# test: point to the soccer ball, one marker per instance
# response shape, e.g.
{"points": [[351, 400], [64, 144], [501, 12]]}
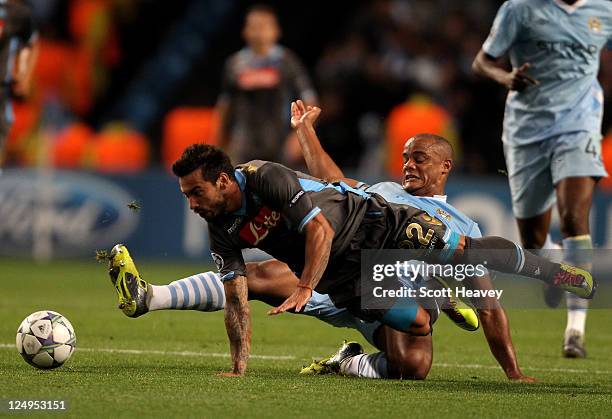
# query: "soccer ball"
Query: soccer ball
{"points": [[46, 339]]}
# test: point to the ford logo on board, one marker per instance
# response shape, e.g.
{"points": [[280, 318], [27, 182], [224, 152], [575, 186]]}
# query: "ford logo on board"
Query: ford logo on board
{"points": [[75, 213]]}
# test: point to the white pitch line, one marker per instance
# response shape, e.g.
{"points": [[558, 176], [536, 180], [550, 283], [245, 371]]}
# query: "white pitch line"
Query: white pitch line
{"points": [[495, 367], [168, 353], [290, 357]]}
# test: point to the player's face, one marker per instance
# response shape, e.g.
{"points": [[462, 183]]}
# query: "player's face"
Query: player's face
{"points": [[205, 198], [424, 168], [261, 29]]}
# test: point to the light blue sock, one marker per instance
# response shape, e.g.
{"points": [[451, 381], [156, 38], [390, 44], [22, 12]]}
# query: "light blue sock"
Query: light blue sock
{"points": [[203, 292]]}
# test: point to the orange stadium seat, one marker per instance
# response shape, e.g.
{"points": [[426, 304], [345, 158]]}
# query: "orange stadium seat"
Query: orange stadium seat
{"points": [[120, 150], [71, 146], [606, 153], [418, 115], [186, 126]]}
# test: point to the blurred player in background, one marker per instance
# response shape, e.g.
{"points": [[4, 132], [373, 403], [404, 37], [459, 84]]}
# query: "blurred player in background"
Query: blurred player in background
{"points": [[552, 123], [17, 57], [258, 84]]}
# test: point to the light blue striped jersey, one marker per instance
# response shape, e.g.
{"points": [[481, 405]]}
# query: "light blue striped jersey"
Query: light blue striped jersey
{"points": [[452, 218], [563, 44]]}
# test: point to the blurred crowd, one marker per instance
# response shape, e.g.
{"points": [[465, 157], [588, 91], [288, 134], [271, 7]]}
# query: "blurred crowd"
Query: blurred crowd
{"points": [[382, 70]]}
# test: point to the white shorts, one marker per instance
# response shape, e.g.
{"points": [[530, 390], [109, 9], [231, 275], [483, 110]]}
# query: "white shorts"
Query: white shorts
{"points": [[534, 169]]}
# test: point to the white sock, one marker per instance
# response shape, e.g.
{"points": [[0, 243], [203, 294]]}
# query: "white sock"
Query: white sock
{"points": [[576, 314], [576, 252], [203, 292], [366, 366]]}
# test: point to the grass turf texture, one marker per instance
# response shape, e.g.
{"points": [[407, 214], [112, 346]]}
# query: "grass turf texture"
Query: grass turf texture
{"points": [[464, 379]]}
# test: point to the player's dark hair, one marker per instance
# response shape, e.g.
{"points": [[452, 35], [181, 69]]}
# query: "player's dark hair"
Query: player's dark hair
{"points": [[263, 8], [211, 160]]}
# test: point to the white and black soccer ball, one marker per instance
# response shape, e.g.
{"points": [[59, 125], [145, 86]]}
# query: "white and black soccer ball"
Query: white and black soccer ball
{"points": [[46, 339]]}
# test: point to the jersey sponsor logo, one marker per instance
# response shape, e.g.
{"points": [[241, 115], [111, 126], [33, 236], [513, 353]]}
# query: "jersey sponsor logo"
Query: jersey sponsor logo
{"points": [[595, 24], [258, 78], [565, 47], [258, 228], [296, 198], [218, 260], [234, 225]]}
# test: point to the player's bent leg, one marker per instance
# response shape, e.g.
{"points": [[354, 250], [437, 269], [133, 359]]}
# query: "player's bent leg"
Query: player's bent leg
{"points": [[270, 281], [506, 256], [202, 291], [408, 356]]}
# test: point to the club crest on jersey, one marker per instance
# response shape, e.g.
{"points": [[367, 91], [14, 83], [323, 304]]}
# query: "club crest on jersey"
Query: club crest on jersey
{"points": [[443, 214], [259, 227], [595, 24], [218, 260]]}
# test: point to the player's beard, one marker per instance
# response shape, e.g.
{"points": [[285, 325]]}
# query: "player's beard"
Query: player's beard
{"points": [[217, 211]]}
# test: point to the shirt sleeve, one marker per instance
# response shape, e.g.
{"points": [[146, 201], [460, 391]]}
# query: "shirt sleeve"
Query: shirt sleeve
{"points": [[280, 188], [298, 77], [227, 257], [503, 32], [475, 232]]}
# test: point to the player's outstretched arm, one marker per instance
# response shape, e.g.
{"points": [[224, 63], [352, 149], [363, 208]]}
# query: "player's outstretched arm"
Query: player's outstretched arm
{"points": [[319, 237], [497, 332], [319, 163], [517, 79], [238, 323]]}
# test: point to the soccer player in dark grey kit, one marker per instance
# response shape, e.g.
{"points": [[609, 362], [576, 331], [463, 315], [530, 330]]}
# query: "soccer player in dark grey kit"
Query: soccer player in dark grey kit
{"points": [[17, 54], [258, 84], [552, 124]]}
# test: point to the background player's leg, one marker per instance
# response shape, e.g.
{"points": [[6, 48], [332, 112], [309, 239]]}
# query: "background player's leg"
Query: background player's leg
{"points": [[574, 199], [533, 230]]}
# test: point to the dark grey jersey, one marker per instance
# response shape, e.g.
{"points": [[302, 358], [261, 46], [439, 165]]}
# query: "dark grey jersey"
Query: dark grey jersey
{"points": [[277, 204], [258, 91]]}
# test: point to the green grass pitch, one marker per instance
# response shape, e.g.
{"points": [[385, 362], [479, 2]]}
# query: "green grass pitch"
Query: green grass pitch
{"points": [[164, 364]]}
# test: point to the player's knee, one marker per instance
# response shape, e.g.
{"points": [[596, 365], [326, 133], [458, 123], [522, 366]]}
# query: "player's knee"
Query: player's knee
{"points": [[409, 364], [421, 326]]}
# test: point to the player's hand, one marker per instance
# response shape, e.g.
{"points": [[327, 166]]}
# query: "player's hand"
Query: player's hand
{"points": [[302, 114], [296, 301], [230, 374], [523, 378], [519, 80]]}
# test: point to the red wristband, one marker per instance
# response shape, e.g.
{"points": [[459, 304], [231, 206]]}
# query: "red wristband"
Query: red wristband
{"points": [[304, 286]]}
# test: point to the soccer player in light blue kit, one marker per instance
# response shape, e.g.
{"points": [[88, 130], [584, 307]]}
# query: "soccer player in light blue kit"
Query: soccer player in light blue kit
{"points": [[552, 123]]}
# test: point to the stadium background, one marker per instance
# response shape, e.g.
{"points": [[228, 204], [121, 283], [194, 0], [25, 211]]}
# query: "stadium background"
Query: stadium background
{"points": [[120, 83]]}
